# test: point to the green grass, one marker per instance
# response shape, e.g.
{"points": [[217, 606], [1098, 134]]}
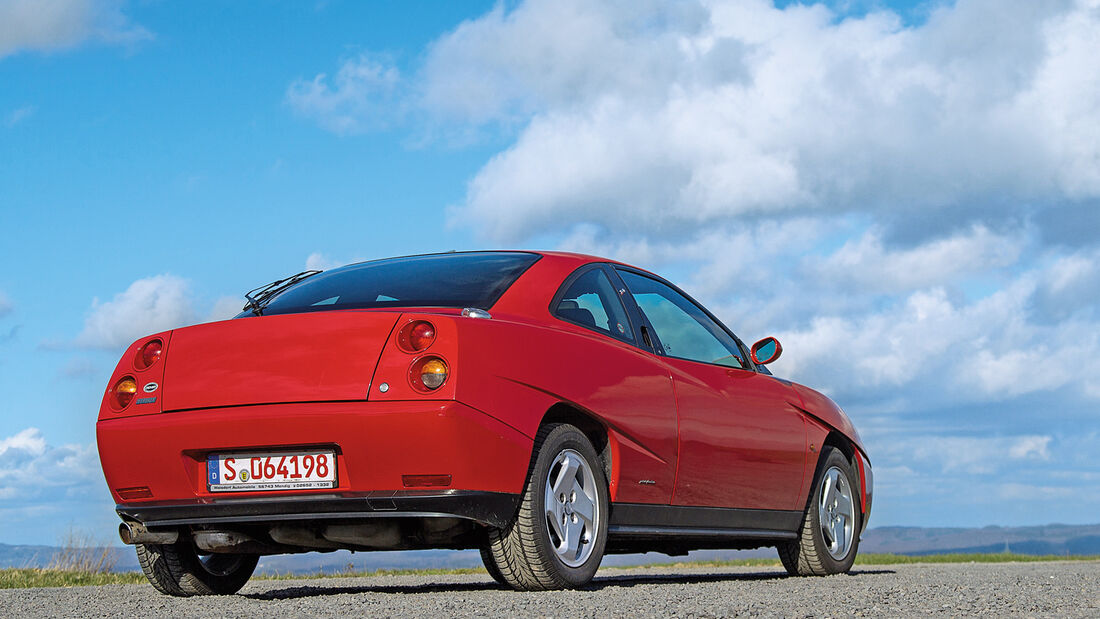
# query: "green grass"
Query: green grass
{"points": [[889, 559], [23, 578], [35, 577]]}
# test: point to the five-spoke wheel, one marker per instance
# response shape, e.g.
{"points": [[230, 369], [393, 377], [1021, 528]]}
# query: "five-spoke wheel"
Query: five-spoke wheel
{"points": [[829, 534], [558, 537]]}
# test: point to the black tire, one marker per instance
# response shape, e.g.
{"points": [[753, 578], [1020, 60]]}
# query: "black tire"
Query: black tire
{"points": [[491, 565], [525, 553], [177, 569], [814, 554]]}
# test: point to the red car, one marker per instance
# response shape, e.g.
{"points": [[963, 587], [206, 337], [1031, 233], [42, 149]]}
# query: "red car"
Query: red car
{"points": [[545, 408]]}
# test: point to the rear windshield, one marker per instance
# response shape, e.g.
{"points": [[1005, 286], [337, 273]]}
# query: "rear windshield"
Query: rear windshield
{"points": [[474, 279]]}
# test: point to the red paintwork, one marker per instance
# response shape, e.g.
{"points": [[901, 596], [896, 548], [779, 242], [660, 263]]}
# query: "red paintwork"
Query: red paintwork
{"points": [[290, 358], [775, 355], [824, 409], [741, 444], [375, 446], [695, 434]]}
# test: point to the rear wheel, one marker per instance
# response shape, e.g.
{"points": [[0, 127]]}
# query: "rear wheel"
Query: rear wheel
{"points": [[830, 527], [558, 538], [178, 569], [491, 565]]}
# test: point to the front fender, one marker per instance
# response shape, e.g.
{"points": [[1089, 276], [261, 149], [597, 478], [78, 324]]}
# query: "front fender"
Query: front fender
{"points": [[820, 407]]}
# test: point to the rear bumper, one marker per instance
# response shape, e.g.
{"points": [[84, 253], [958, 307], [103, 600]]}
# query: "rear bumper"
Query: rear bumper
{"points": [[491, 508], [376, 444]]}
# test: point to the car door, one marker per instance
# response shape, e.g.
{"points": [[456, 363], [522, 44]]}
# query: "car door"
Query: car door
{"points": [[741, 443], [617, 376]]}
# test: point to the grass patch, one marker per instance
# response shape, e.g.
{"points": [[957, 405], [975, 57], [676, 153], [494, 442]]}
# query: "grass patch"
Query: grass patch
{"points": [[24, 578], [19, 578], [1000, 557], [889, 559]]}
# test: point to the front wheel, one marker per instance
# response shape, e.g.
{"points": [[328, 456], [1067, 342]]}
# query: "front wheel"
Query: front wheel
{"points": [[830, 527], [178, 569], [558, 537]]}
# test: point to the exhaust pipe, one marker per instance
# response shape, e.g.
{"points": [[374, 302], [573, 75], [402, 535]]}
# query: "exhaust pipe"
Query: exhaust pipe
{"points": [[136, 533]]}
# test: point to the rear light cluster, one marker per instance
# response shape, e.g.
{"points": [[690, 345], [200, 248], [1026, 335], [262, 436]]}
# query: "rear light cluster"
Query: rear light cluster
{"points": [[124, 390], [149, 354], [428, 372]]}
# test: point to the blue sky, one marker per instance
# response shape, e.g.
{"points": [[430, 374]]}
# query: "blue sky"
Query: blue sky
{"points": [[906, 193]]}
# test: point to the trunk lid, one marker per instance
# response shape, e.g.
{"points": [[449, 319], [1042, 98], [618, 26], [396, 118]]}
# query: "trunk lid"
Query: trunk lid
{"points": [[308, 357]]}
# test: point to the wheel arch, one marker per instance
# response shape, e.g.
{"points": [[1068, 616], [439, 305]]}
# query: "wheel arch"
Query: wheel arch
{"points": [[594, 430], [857, 461]]}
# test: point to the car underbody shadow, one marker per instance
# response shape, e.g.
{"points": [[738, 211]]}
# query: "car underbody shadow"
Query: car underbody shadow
{"points": [[597, 584]]}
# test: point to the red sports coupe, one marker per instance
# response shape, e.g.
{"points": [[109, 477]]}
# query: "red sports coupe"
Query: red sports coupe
{"points": [[545, 408]]}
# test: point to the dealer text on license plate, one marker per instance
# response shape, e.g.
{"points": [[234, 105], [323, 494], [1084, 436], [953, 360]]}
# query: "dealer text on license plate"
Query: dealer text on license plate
{"points": [[271, 471]]}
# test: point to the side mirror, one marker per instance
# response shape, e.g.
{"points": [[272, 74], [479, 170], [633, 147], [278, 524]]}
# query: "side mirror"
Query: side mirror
{"points": [[766, 350]]}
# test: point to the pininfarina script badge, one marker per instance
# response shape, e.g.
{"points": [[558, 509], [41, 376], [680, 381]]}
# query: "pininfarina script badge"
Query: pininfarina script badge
{"points": [[150, 387]]}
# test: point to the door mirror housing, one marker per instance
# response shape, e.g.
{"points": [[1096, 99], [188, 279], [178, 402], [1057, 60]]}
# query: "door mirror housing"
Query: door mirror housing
{"points": [[766, 350]]}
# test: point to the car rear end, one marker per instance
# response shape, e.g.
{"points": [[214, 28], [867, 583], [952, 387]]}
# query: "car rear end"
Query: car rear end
{"points": [[306, 430]]}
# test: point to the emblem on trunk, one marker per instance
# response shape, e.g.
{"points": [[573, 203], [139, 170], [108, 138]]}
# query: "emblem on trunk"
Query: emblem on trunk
{"points": [[150, 387]]}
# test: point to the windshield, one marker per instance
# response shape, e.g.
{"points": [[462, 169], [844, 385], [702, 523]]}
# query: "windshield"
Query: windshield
{"points": [[473, 279]]}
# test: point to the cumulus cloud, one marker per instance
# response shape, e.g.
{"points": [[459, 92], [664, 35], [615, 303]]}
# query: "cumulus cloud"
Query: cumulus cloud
{"points": [[30, 467], [867, 264], [58, 24], [699, 112], [980, 455], [361, 96], [147, 306], [225, 308], [986, 349]]}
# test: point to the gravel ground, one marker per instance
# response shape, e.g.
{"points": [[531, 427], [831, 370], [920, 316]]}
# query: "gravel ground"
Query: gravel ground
{"points": [[1061, 589]]}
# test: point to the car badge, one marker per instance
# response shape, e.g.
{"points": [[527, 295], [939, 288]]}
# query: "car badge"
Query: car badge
{"points": [[150, 387]]}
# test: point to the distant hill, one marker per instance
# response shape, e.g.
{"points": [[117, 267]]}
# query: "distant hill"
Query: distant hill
{"points": [[1051, 539]]}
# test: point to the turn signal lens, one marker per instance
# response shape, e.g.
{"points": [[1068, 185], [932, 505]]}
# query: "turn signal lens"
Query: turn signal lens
{"points": [[149, 354], [416, 336], [428, 373], [124, 392]]}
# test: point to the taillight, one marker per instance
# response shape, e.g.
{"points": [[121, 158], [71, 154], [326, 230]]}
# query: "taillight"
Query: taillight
{"points": [[428, 373], [416, 336], [123, 392], [149, 354]]}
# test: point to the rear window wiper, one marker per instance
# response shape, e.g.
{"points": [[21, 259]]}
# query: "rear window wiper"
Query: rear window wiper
{"points": [[258, 298]]}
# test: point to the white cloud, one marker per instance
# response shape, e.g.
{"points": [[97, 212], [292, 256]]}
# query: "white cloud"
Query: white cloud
{"points": [[28, 441], [30, 467], [225, 308], [57, 24], [44, 486], [147, 306], [735, 109], [966, 455], [19, 114], [319, 262], [867, 265], [361, 96]]}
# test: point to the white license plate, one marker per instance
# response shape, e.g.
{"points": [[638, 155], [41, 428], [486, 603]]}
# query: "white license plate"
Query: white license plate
{"points": [[298, 470]]}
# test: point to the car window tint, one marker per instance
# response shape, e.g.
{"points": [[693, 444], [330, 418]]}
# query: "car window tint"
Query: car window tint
{"points": [[685, 330], [473, 279], [591, 301]]}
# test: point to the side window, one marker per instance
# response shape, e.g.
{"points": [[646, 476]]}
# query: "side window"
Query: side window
{"points": [[685, 330], [591, 301]]}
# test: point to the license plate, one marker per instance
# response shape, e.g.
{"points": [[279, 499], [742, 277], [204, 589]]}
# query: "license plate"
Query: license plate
{"points": [[245, 472]]}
